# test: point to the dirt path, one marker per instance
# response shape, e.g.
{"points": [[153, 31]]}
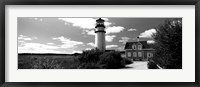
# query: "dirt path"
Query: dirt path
{"points": [[137, 65]]}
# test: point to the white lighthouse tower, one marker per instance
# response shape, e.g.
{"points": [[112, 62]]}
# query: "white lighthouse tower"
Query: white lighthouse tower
{"points": [[100, 34]]}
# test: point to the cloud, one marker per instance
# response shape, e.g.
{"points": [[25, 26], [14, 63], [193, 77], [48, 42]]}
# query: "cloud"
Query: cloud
{"points": [[109, 38], [91, 32], [124, 39], [25, 38], [121, 48], [40, 45], [67, 42], [88, 23], [37, 48], [43, 48], [150, 41], [27, 47], [50, 43], [76, 52], [147, 33], [85, 23], [132, 29], [91, 44], [109, 30], [21, 41], [88, 48], [111, 46], [114, 29]]}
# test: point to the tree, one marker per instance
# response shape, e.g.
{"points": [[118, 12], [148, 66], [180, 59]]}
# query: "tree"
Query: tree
{"points": [[168, 44]]}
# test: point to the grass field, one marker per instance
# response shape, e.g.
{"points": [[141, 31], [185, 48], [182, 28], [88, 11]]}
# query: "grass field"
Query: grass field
{"points": [[46, 61], [93, 59]]}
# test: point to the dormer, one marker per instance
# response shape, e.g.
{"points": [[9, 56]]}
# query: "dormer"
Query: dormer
{"points": [[139, 46], [134, 47]]}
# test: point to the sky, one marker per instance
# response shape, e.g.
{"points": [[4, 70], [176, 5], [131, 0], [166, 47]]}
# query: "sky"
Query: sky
{"points": [[73, 35]]}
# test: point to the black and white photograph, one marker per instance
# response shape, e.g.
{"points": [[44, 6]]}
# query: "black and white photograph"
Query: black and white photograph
{"points": [[99, 43]]}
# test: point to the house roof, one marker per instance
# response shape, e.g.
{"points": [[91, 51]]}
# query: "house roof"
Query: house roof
{"points": [[144, 45]]}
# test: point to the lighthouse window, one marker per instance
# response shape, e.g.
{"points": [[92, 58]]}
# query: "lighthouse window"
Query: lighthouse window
{"points": [[100, 23]]}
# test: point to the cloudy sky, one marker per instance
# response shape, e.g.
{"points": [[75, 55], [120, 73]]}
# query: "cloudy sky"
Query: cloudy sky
{"points": [[72, 35]]}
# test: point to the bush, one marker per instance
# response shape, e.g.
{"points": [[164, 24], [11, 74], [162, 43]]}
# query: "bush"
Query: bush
{"points": [[90, 59], [90, 66], [111, 60], [89, 56], [152, 65], [70, 63], [46, 63], [25, 62], [96, 59], [168, 44], [24, 65], [128, 61]]}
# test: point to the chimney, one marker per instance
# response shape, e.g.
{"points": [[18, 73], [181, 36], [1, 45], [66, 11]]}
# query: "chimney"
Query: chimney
{"points": [[138, 38]]}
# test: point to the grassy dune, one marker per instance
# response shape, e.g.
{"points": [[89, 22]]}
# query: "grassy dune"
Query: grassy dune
{"points": [[92, 59], [36, 61]]}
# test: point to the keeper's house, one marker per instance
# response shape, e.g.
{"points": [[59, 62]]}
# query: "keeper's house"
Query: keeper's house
{"points": [[138, 50]]}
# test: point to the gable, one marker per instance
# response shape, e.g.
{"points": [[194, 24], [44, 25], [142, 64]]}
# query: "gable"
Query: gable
{"points": [[128, 45]]}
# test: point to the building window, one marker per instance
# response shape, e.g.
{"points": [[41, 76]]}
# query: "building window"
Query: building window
{"points": [[139, 54], [139, 47], [134, 47], [134, 54], [129, 54], [149, 54]]}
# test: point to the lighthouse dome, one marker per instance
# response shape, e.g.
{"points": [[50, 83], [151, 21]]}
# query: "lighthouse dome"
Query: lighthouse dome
{"points": [[99, 20], [100, 23]]}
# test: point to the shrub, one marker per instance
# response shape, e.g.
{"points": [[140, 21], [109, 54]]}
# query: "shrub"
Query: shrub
{"points": [[96, 59], [46, 63], [69, 63], [168, 44], [24, 62], [89, 59], [152, 65], [24, 65], [89, 56], [128, 61], [111, 60], [90, 66]]}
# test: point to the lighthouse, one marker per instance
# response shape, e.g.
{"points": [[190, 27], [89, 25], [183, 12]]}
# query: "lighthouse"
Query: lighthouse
{"points": [[100, 34]]}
